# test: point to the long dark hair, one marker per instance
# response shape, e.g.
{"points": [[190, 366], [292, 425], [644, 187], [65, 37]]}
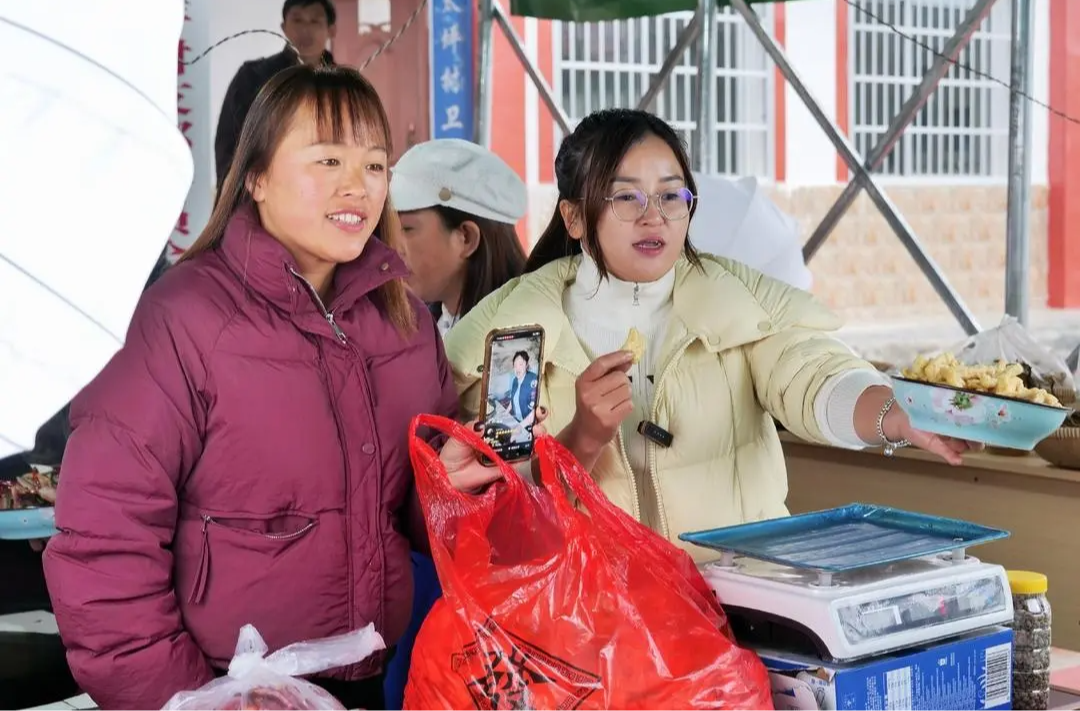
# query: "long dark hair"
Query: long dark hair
{"points": [[498, 257], [585, 167], [341, 100]]}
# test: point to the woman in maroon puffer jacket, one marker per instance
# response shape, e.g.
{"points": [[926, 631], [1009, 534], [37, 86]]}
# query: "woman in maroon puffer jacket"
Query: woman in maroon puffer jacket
{"points": [[244, 457]]}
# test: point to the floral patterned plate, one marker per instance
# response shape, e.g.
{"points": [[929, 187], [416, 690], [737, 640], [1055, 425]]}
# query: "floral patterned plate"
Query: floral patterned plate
{"points": [[977, 417]]}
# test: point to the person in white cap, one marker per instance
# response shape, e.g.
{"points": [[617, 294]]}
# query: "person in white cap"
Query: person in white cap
{"points": [[458, 203]]}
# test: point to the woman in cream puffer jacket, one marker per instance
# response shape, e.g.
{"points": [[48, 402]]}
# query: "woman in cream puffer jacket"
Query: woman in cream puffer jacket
{"points": [[728, 349]]}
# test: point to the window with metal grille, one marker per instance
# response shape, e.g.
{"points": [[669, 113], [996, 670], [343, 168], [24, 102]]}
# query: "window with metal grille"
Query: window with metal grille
{"points": [[962, 131], [601, 65]]}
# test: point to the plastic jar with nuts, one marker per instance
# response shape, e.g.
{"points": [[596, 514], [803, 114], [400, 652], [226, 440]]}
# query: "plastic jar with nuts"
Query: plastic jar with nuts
{"points": [[1031, 640]]}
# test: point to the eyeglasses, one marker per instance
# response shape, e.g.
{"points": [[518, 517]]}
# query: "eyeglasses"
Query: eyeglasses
{"points": [[630, 204]]}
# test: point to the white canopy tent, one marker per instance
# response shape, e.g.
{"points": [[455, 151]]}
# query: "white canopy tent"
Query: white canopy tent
{"points": [[737, 220], [93, 175]]}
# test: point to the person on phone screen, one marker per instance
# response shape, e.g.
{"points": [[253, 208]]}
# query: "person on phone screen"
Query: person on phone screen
{"points": [[244, 458], [459, 204], [727, 349], [522, 391]]}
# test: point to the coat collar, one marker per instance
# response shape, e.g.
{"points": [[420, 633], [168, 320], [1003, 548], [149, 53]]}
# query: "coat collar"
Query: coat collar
{"points": [[266, 267], [288, 57], [724, 305]]}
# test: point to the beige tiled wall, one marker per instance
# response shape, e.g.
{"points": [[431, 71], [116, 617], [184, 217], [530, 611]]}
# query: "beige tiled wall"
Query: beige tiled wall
{"points": [[864, 272]]}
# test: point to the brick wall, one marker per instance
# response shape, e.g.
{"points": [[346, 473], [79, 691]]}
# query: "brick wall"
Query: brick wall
{"points": [[865, 273]]}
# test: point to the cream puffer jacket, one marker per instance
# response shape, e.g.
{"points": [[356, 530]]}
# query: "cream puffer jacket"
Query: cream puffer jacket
{"points": [[740, 349]]}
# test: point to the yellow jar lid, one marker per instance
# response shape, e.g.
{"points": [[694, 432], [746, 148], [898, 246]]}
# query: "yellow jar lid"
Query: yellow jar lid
{"points": [[1024, 582]]}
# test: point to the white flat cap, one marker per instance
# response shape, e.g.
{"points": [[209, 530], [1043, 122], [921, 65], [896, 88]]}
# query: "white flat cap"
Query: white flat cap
{"points": [[460, 175]]}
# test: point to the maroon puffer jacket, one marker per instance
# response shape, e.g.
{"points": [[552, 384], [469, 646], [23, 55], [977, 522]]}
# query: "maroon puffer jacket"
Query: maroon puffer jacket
{"points": [[243, 459]]}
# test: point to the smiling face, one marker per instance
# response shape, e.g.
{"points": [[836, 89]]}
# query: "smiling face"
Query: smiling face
{"points": [[320, 198], [643, 245]]}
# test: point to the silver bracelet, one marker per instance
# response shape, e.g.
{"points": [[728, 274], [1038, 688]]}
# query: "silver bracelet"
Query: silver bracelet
{"points": [[890, 447]]}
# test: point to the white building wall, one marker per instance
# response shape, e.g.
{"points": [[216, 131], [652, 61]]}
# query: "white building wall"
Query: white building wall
{"points": [[1040, 89], [811, 46]]}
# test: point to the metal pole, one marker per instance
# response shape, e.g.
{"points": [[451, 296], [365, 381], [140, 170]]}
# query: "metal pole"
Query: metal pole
{"points": [[542, 87], [660, 79], [482, 110], [1017, 252], [706, 79], [942, 63], [843, 146]]}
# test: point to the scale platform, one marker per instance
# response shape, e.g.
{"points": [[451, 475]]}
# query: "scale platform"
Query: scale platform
{"points": [[856, 581]]}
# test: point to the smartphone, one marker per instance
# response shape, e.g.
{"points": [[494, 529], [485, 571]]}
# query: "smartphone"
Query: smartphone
{"points": [[510, 391]]}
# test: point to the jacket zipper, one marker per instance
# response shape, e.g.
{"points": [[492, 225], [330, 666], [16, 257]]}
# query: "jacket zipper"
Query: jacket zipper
{"points": [[635, 500], [202, 575], [211, 521], [327, 314], [650, 446], [340, 335]]}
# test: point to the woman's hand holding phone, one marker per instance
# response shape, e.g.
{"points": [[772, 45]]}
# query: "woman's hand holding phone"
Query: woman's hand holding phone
{"points": [[467, 474], [603, 402]]}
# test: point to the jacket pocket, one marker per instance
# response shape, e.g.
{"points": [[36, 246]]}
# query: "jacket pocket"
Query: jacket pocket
{"points": [[271, 534], [286, 572]]}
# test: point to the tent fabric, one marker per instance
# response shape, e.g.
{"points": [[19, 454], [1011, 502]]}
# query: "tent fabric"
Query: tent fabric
{"points": [[736, 219], [599, 10], [75, 254]]}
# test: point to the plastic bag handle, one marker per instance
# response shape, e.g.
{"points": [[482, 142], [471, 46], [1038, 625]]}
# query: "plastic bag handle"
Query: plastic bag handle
{"points": [[558, 464], [454, 430], [303, 658], [590, 496]]}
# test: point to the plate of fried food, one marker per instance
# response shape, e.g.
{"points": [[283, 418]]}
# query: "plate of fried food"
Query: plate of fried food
{"points": [[26, 505], [996, 404]]}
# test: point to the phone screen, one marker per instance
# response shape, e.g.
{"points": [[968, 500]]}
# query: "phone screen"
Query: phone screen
{"points": [[513, 371]]}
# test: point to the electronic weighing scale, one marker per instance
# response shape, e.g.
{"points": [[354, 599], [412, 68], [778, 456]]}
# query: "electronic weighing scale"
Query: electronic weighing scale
{"points": [[854, 582]]}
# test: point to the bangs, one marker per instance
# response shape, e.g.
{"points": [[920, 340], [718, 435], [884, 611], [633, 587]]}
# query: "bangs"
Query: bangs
{"points": [[347, 111]]}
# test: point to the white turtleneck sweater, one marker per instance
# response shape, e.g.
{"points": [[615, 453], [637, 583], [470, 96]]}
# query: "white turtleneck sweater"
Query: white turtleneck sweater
{"points": [[446, 320], [601, 313]]}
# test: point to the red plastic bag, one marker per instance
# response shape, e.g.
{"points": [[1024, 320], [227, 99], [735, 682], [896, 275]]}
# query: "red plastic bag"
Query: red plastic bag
{"points": [[548, 606]]}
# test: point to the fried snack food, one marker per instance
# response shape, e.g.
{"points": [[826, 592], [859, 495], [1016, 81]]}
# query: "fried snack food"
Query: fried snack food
{"points": [[29, 491], [1001, 378], [635, 343]]}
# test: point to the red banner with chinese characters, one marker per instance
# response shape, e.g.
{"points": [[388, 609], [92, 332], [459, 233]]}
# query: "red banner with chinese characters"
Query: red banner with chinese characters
{"points": [[193, 116]]}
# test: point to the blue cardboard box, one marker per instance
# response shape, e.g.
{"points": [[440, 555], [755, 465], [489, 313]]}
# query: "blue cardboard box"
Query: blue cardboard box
{"points": [[962, 674]]}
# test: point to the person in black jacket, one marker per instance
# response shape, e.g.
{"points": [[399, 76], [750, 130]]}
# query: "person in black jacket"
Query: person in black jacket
{"points": [[308, 25]]}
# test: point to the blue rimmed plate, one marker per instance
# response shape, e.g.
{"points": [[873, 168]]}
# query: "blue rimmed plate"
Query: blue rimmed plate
{"points": [[846, 538], [25, 524]]}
